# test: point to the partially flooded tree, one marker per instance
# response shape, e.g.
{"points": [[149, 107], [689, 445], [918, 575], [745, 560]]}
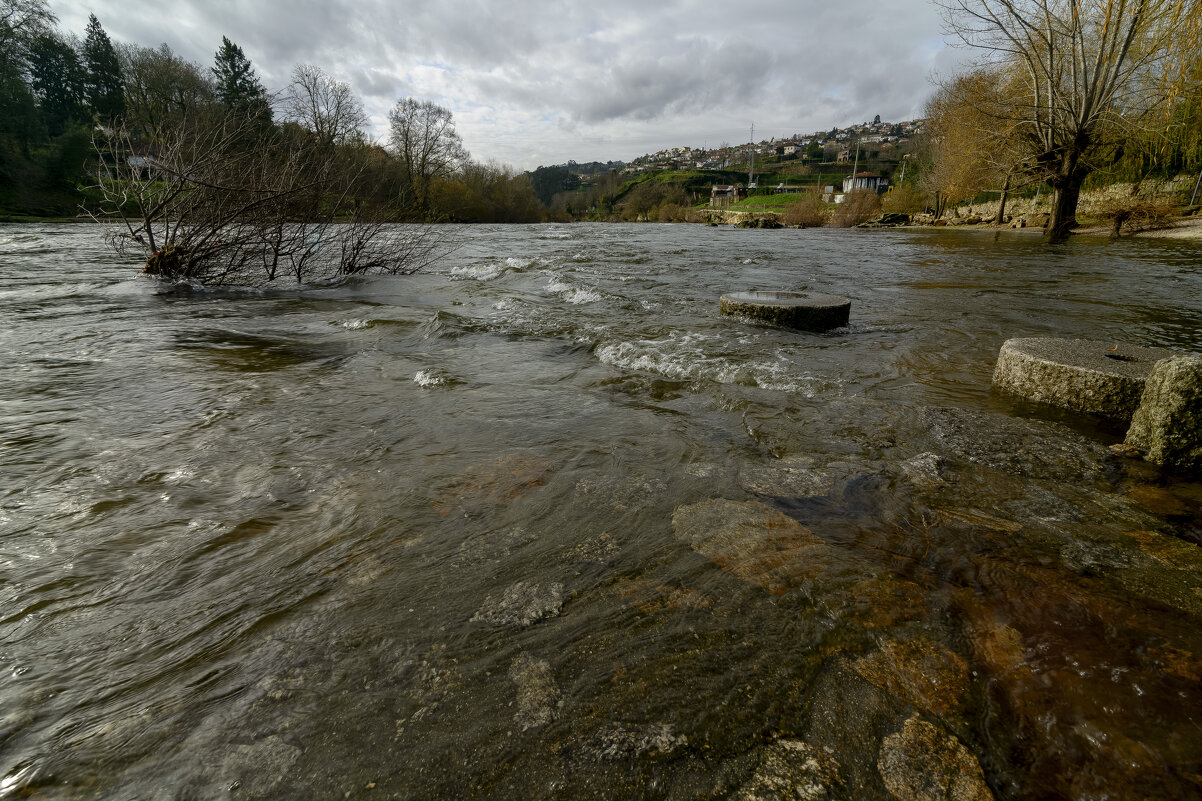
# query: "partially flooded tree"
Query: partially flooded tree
{"points": [[1087, 68], [207, 200]]}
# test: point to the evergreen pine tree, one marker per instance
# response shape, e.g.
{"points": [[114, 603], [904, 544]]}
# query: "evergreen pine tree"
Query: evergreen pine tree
{"points": [[57, 79], [102, 73], [237, 85]]}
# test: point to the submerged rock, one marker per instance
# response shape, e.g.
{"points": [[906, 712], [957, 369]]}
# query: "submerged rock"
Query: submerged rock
{"points": [[790, 477], [493, 484], [791, 770], [522, 604], [259, 769], [1167, 426], [924, 470], [921, 672], [618, 741], [538, 696], [650, 597], [922, 763], [1027, 448], [751, 541]]}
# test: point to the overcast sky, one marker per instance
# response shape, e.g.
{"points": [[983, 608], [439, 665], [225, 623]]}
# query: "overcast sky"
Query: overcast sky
{"points": [[533, 83]]}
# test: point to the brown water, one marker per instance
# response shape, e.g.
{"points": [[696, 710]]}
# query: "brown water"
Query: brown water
{"points": [[540, 523]]}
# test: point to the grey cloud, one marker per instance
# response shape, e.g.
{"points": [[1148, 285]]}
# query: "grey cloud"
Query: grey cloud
{"points": [[543, 77]]}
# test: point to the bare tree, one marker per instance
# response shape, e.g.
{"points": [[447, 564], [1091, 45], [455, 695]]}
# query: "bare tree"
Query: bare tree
{"points": [[1091, 71], [207, 200], [424, 141], [324, 106]]}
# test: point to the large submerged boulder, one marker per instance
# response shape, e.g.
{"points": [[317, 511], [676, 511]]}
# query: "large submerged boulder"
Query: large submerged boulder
{"points": [[1167, 426], [1095, 377]]}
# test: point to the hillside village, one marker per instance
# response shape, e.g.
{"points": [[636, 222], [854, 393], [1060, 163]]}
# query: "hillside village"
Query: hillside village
{"points": [[768, 174], [835, 146]]}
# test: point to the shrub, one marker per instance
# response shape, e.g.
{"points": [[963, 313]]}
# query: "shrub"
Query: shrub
{"points": [[809, 212], [857, 207], [675, 212], [904, 200], [1136, 214]]}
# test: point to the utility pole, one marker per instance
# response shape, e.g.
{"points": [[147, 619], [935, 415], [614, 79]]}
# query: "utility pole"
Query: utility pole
{"points": [[751, 160], [855, 166]]}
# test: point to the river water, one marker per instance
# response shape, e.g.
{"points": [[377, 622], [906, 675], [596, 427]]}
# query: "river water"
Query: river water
{"points": [[540, 523]]}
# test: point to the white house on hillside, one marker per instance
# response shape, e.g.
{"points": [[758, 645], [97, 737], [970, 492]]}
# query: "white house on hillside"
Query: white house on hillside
{"points": [[865, 180]]}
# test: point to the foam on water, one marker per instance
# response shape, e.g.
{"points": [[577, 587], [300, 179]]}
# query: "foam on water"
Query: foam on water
{"points": [[570, 292], [492, 270], [429, 378], [685, 358]]}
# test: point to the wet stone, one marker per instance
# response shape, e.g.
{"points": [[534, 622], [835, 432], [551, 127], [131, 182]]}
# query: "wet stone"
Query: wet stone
{"points": [[1095, 377], [1177, 554], [921, 672], [538, 696], [617, 742], [522, 604], [1027, 448], [751, 541], [924, 470], [848, 716], [789, 478], [922, 763], [791, 770], [1167, 426], [808, 311]]}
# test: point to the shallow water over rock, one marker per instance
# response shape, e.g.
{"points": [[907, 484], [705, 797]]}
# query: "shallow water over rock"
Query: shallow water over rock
{"points": [[542, 523]]}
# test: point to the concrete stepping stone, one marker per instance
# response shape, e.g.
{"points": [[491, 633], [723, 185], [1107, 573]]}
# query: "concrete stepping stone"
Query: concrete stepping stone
{"points": [[1093, 376], [808, 311]]}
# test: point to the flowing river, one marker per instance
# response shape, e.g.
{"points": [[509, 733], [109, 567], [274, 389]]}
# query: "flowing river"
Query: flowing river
{"points": [[540, 523]]}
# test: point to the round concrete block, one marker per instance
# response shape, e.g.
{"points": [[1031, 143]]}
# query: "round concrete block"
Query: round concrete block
{"points": [[809, 311], [1096, 377], [1167, 426]]}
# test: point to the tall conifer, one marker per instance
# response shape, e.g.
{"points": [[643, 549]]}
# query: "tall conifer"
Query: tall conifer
{"points": [[102, 73], [237, 85]]}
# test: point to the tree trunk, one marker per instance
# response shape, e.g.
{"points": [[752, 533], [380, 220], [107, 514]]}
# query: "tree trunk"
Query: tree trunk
{"points": [[1066, 190], [1001, 206], [1063, 217]]}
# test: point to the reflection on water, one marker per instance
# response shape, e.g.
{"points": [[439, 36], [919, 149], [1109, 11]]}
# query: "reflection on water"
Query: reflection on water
{"points": [[541, 523]]}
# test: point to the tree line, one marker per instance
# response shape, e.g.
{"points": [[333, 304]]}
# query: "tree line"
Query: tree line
{"points": [[61, 94]]}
